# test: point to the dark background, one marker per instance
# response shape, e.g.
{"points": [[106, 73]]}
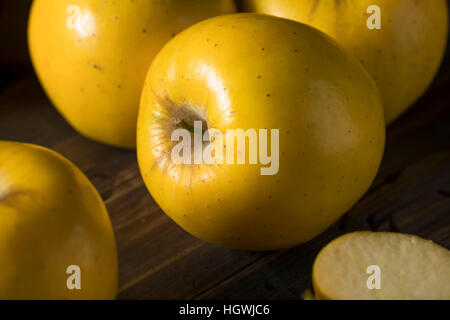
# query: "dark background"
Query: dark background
{"points": [[158, 260]]}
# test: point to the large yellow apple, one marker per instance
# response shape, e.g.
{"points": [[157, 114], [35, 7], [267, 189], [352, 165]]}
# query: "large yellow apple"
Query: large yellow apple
{"points": [[55, 232], [251, 71], [402, 57], [382, 265], [91, 56]]}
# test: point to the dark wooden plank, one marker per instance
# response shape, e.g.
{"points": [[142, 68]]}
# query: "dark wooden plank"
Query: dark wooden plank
{"points": [[288, 269], [27, 116]]}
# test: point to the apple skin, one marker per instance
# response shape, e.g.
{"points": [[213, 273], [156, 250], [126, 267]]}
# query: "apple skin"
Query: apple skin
{"points": [[411, 268], [51, 217], [259, 71], [403, 56], [93, 72]]}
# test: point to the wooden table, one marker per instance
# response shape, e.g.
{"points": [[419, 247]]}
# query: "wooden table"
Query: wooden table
{"points": [[158, 260]]}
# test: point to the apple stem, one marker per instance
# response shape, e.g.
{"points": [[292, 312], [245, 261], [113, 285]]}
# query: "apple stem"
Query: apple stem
{"points": [[184, 125]]}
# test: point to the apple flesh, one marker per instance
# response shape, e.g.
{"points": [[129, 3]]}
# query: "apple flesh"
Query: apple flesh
{"points": [[402, 56], [409, 268], [52, 218], [91, 56], [251, 71]]}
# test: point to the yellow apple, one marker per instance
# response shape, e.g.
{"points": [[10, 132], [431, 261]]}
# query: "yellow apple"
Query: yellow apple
{"points": [[382, 265], [55, 232], [91, 56], [402, 57], [251, 71]]}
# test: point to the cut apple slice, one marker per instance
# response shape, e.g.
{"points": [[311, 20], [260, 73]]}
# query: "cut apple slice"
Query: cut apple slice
{"points": [[382, 265]]}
